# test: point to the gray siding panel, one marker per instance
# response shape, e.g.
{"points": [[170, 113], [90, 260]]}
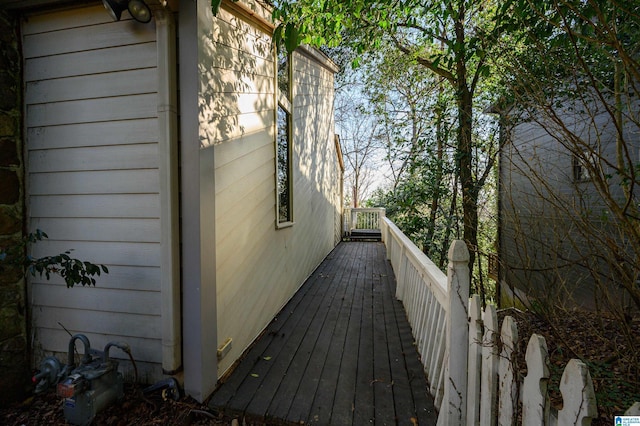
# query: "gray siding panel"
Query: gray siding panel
{"points": [[554, 228]]}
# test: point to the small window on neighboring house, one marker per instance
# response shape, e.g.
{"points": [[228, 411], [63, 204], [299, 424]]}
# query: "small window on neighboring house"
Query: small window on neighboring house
{"points": [[283, 139], [580, 170]]}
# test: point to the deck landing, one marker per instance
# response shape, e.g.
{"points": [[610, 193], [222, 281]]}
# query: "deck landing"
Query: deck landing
{"points": [[340, 352]]}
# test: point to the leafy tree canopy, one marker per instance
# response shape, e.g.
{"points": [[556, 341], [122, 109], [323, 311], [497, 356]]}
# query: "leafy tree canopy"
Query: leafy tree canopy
{"points": [[434, 33]]}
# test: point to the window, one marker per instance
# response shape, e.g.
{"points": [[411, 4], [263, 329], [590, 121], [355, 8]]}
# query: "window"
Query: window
{"points": [[284, 166], [580, 170], [284, 73], [283, 140]]}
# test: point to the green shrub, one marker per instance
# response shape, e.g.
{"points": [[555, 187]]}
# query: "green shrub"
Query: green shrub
{"points": [[74, 271]]}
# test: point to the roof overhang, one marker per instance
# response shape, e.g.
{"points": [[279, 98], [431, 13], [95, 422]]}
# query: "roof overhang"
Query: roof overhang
{"points": [[29, 5]]}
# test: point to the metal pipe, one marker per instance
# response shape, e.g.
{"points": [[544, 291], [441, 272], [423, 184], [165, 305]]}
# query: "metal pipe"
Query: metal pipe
{"points": [[122, 346], [168, 168], [87, 346]]}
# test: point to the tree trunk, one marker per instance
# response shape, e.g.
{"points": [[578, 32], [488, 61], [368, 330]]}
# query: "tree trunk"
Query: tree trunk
{"points": [[467, 183], [465, 146], [447, 232], [435, 201]]}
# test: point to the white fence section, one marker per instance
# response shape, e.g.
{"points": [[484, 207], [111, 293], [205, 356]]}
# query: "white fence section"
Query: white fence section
{"points": [[497, 396], [468, 359], [363, 218]]}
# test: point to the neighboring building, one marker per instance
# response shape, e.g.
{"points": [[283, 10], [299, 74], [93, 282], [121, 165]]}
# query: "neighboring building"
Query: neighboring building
{"points": [[564, 235], [169, 152]]}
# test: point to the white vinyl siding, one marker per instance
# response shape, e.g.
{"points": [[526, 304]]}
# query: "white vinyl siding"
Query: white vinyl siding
{"points": [[245, 182], [259, 267], [316, 177], [93, 180]]}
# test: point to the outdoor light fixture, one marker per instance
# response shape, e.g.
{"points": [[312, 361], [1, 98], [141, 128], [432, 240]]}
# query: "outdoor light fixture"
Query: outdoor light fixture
{"points": [[137, 8]]}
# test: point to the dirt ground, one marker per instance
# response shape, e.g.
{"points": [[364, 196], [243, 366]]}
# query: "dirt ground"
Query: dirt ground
{"points": [[609, 349], [135, 409]]}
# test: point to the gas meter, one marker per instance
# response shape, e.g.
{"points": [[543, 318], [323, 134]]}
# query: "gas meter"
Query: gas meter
{"points": [[88, 388]]}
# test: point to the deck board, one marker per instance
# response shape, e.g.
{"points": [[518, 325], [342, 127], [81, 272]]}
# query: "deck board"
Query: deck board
{"points": [[340, 352], [343, 407], [363, 407]]}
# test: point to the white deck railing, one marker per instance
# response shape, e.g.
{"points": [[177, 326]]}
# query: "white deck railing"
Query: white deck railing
{"points": [[363, 218], [438, 321], [472, 382]]}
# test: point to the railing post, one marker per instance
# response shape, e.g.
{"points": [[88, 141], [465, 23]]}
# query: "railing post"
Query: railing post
{"points": [[402, 273], [454, 407], [381, 214], [346, 217]]}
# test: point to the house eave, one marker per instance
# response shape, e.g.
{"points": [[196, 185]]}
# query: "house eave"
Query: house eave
{"points": [[319, 57], [260, 17], [26, 5], [31, 5]]}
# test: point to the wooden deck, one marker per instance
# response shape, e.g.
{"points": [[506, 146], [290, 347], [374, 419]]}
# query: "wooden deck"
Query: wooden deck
{"points": [[340, 352]]}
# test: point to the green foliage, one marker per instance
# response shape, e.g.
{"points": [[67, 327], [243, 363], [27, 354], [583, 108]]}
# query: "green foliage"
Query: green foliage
{"points": [[570, 46], [416, 117], [409, 207], [425, 30], [612, 393], [450, 40], [73, 271], [215, 6]]}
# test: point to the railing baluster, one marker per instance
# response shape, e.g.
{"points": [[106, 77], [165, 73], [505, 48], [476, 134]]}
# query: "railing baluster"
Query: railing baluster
{"points": [[426, 332], [434, 320], [439, 344], [438, 394], [507, 385], [475, 361], [423, 303], [425, 293], [489, 377]]}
